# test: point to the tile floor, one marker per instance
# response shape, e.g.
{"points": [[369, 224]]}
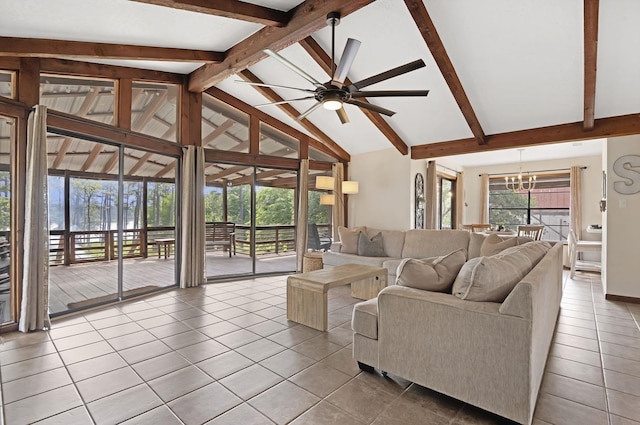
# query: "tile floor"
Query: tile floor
{"points": [[225, 354]]}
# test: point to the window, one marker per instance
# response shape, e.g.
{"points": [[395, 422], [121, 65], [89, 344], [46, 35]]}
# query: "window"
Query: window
{"points": [[87, 98], [154, 110], [446, 204], [6, 84], [224, 127], [547, 204]]}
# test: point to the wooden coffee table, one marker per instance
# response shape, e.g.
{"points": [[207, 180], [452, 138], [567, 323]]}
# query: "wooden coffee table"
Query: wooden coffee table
{"points": [[307, 292]]}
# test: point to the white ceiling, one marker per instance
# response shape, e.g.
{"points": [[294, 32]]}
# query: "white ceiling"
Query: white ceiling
{"points": [[520, 63]]}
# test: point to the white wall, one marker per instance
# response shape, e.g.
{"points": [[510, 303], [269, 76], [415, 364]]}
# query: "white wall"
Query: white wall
{"points": [[622, 230], [386, 190], [591, 185]]}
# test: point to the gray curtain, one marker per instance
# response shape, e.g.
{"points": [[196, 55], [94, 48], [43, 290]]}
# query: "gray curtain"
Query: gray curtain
{"points": [[303, 208], [484, 198], [431, 189], [192, 217], [575, 206], [34, 312], [338, 205]]}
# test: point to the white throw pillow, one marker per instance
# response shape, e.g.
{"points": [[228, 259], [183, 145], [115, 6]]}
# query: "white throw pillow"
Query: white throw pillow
{"points": [[434, 274]]}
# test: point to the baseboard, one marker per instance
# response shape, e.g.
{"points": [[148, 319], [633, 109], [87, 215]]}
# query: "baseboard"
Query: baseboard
{"points": [[632, 300]]}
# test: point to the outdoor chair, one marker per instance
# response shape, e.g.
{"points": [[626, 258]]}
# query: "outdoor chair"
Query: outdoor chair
{"points": [[221, 234], [314, 241]]}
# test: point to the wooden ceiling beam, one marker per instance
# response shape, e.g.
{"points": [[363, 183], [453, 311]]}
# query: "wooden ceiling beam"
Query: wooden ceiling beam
{"points": [[287, 108], [434, 43], [228, 9], [47, 48], [99, 70], [623, 125], [306, 18], [590, 60], [248, 179], [322, 58], [227, 172]]}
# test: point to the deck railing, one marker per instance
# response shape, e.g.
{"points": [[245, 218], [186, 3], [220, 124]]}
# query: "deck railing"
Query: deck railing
{"points": [[102, 245]]}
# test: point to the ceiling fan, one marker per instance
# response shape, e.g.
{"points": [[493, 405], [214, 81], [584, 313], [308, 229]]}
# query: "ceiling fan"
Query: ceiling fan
{"points": [[333, 94]]}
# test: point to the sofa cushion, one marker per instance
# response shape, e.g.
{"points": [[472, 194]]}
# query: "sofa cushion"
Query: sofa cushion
{"points": [[365, 318], [349, 239], [494, 244], [492, 278], [370, 246], [431, 274], [392, 241], [475, 244], [333, 259], [433, 243]]}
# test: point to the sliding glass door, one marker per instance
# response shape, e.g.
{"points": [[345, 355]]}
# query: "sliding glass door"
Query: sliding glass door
{"points": [[103, 246], [7, 140], [250, 220]]}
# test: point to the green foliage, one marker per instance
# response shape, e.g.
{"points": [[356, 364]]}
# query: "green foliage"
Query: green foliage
{"points": [[507, 208], [317, 213], [239, 204], [161, 201], [274, 206]]}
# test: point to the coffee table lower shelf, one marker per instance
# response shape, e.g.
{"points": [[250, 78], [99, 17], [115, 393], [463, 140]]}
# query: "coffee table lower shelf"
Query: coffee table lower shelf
{"points": [[307, 292]]}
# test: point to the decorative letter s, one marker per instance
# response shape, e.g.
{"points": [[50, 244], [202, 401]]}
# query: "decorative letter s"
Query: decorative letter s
{"points": [[624, 167]]}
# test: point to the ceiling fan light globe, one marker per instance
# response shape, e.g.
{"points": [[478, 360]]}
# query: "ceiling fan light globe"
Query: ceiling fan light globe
{"points": [[332, 105]]}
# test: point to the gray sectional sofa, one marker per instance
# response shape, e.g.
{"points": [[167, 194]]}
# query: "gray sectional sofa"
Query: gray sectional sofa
{"points": [[407, 244], [489, 354]]}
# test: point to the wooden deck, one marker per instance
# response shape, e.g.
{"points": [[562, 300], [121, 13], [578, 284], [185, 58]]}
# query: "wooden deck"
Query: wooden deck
{"points": [[81, 285]]}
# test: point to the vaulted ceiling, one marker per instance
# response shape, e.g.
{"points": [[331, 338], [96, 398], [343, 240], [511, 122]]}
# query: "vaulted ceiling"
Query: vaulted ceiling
{"points": [[500, 73]]}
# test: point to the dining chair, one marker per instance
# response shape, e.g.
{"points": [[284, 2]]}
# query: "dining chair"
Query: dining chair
{"points": [[467, 227], [577, 246], [480, 227], [531, 231]]}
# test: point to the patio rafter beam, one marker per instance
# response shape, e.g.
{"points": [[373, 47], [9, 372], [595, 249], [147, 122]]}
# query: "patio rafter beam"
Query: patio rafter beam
{"points": [[321, 57], [226, 172], [306, 18], [219, 131], [169, 167], [82, 111], [270, 94], [430, 35], [92, 156], [228, 9], [249, 178], [48, 48]]}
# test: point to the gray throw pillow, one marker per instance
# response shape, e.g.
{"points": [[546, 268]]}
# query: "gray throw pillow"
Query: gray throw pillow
{"points": [[431, 274], [370, 246]]}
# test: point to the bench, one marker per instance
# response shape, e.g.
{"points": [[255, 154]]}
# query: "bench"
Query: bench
{"points": [[221, 234]]}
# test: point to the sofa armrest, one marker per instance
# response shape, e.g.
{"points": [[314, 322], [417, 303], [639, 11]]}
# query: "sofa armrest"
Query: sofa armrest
{"points": [[335, 246], [465, 349]]}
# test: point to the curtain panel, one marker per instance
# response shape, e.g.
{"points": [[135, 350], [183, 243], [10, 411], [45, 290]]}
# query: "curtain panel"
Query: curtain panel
{"points": [[484, 198], [303, 209], [575, 205], [192, 226], [338, 205], [431, 188], [34, 311], [459, 200]]}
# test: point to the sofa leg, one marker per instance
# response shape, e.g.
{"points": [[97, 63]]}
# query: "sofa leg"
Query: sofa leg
{"points": [[366, 368]]}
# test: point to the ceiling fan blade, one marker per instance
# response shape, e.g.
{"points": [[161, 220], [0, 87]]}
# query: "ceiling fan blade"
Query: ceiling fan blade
{"points": [[285, 101], [342, 114], [372, 107], [349, 54], [389, 93], [403, 69], [274, 86], [293, 67], [308, 111]]}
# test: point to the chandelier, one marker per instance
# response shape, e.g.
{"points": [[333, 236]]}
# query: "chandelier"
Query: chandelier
{"points": [[516, 184]]}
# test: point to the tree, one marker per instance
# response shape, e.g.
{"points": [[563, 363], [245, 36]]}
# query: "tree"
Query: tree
{"points": [[274, 206], [508, 208], [318, 214], [85, 192]]}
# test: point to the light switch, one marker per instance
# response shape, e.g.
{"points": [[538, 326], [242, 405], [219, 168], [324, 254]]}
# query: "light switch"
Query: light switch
{"points": [[622, 203]]}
